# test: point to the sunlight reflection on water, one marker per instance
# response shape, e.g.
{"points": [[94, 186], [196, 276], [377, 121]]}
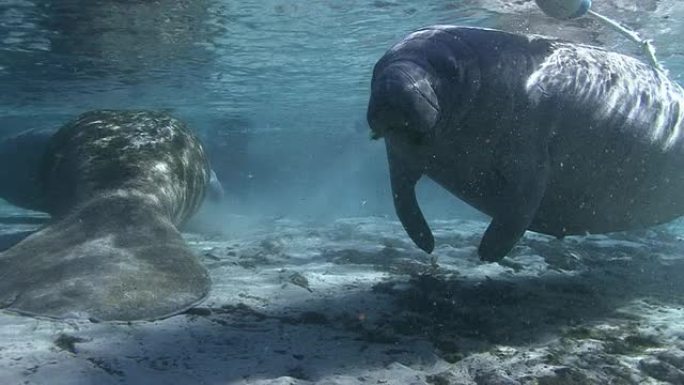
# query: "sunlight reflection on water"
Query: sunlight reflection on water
{"points": [[279, 61]]}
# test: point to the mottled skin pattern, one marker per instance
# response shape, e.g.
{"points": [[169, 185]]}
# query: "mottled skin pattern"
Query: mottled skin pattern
{"points": [[152, 155], [117, 183], [537, 133], [21, 158]]}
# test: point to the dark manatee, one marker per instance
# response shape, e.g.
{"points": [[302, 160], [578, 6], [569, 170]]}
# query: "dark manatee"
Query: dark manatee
{"points": [[117, 185], [539, 134]]}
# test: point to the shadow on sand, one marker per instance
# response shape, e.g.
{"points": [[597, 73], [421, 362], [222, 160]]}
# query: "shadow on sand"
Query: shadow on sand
{"points": [[408, 318]]}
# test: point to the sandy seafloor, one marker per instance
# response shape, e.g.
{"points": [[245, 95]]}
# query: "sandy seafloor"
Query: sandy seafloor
{"points": [[352, 301]]}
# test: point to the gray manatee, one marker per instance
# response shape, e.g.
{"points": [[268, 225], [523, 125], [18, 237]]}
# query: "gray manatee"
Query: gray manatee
{"points": [[117, 184], [540, 134], [21, 158]]}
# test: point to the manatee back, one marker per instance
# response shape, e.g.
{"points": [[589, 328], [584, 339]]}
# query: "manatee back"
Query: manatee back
{"points": [[116, 183], [126, 152]]}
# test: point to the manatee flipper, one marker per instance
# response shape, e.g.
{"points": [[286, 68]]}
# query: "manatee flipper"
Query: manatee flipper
{"points": [[106, 267], [403, 176], [524, 184]]}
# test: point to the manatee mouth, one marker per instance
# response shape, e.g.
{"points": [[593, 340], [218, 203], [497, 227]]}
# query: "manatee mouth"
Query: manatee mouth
{"points": [[402, 99]]}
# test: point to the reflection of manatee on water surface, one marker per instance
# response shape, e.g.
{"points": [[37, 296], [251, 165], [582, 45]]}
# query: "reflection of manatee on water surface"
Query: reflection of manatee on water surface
{"points": [[538, 133], [117, 185]]}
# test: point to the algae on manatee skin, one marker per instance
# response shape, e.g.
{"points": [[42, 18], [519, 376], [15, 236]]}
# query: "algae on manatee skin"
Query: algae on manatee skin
{"points": [[579, 333], [68, 342], [566, 376], [299, 280], [622, 340], [664, 367], [452, 357], [633, 344], [443, 378], [507, 262]]}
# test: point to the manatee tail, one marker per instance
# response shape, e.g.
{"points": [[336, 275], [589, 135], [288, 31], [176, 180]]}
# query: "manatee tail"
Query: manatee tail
{"points": [[112, 259], [404, 176]]}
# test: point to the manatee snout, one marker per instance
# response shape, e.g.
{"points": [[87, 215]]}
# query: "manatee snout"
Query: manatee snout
{"points": [[402, 99]]}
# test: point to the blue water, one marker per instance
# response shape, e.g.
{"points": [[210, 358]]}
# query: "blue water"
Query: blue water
{"points": [[288, 79], [286, 83], [282, 63]]}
